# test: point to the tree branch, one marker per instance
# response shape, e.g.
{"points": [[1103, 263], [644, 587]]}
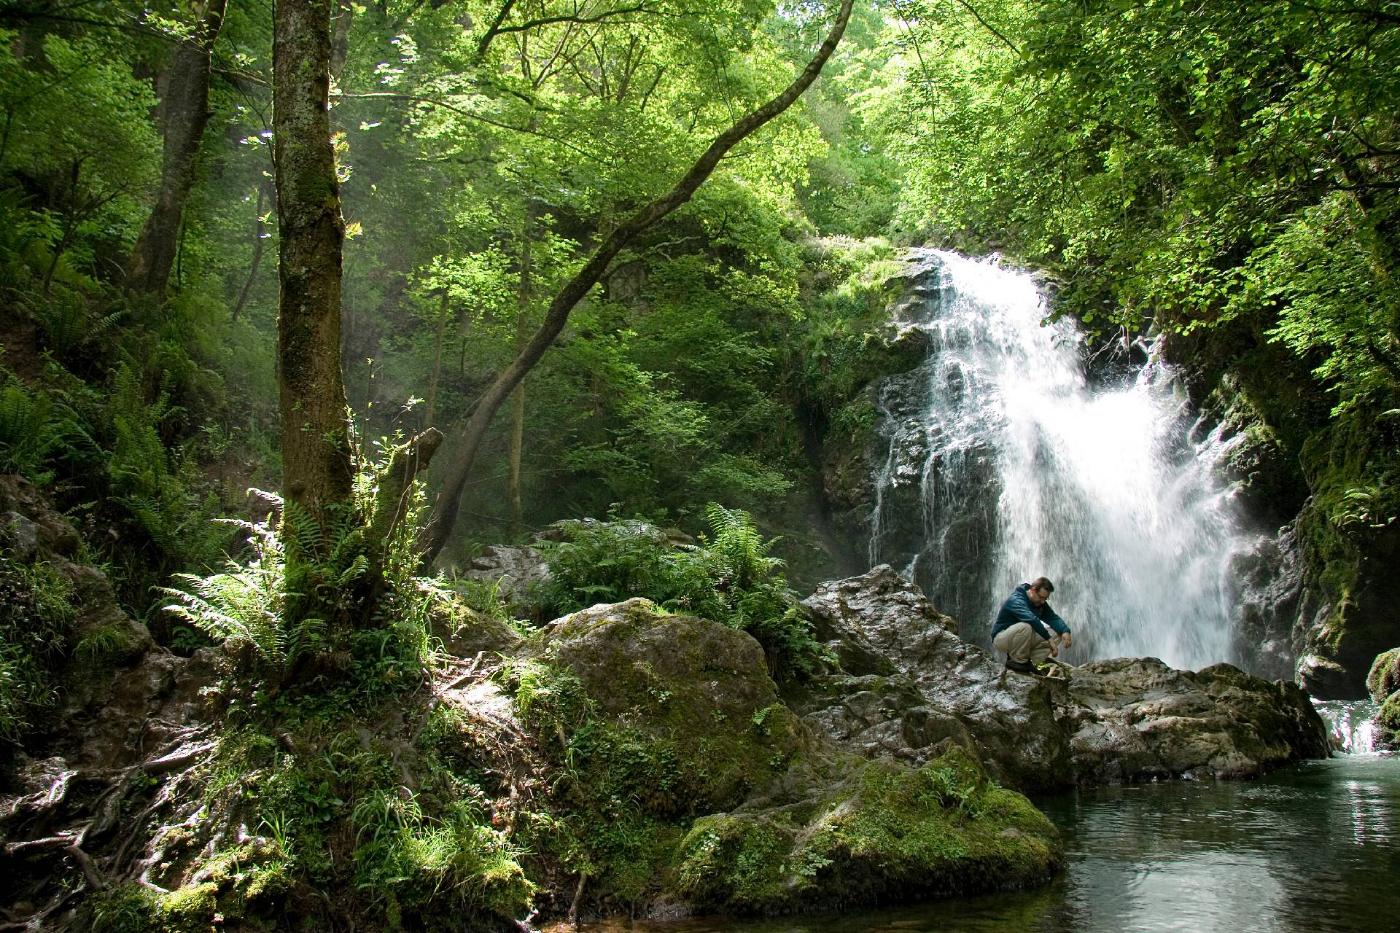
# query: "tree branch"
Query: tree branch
{"points": [[493, 29], [576, 288]]}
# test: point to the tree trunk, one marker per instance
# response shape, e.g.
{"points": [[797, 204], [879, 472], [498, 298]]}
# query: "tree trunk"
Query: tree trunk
{"points": [[259, 247], [573, 291], [430, 414], [517, 426], [317, 470], [184, 114]]}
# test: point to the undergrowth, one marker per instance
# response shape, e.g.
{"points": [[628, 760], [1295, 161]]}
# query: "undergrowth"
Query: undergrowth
{"points": [[336, 755], [731, 577], [36, 622]]}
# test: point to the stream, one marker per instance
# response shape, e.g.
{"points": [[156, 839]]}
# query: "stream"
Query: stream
{"points": [[1314, 847]]}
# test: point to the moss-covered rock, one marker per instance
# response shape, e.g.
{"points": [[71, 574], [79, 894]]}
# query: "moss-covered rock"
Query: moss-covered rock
{"points": [[699, 692], [1351, 540], [886, 833], [1388, 724], [1384, 677], [693, 785]]}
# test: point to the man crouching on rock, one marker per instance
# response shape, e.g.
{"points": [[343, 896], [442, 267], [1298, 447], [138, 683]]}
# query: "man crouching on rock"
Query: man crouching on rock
{"points": [[1020, 629]]}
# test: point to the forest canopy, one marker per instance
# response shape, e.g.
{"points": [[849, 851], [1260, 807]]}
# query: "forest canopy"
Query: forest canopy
{"points": [[1177, 167]]}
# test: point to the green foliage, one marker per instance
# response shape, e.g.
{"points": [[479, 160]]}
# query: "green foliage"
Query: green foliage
{"points": [[730, 578], [244, 603], [30, 432], [36, 619], [1187, 165]]}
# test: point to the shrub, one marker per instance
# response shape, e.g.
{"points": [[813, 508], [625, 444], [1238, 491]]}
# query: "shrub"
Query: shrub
{"points": [[731, 577]]}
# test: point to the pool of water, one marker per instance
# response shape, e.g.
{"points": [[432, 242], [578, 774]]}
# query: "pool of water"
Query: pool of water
{"points": [[1315, 848]]}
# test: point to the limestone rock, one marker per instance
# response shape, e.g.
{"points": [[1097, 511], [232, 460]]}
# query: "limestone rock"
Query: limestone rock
{"points": [[516, 569], [1136, 718], [880, 624]]}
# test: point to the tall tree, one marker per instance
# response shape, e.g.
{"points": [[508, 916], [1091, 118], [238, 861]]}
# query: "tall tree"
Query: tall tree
{"points": [[184, 115], [317, 471], [469, 442]]}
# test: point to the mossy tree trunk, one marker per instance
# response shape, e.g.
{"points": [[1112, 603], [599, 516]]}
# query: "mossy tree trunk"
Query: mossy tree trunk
{"points": [[184, 115], [468, 443], [316, 433], [317, 470]]}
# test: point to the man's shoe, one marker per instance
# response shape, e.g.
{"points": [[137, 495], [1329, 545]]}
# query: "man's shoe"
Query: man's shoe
{"points": [[1020, 667]]}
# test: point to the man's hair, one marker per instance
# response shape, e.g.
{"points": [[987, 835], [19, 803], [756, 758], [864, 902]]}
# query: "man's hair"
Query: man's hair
{"points": [[1043, 583]]}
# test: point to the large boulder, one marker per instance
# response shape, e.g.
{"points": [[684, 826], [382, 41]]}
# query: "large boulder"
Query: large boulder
{"points": [[1131, 719], [908, 682], [1383, 683], [702, 791]]}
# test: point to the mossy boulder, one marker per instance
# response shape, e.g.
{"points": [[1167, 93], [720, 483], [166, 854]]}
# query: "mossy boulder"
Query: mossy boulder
{"points": [[1388, 724], [696, 788], [1383, 682], [1384, 677], [885, 833], [698, 691]]}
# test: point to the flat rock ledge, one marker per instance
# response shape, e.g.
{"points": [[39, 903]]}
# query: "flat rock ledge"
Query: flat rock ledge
{"points": [[908, 681]]}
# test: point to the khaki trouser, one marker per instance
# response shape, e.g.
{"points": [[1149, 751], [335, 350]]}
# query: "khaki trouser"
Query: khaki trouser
{"points": [[1021, 643]]}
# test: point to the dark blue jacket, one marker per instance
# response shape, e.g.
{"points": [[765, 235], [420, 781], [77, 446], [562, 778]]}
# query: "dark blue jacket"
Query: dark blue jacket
{"points": [[1018, 608]]}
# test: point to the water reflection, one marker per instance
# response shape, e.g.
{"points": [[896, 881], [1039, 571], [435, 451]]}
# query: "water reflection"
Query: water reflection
{"points": [[1310, 849]]}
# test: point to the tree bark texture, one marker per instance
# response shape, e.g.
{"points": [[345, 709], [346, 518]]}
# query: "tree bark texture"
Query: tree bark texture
{"points": [[573, 291], [184, 115], [317, 470]]}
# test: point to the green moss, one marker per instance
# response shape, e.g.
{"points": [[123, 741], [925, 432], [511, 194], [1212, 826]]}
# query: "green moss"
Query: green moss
{"points": [[1384, 677], [894, 832], [1388, 722], [133, 909], [190, 908]]}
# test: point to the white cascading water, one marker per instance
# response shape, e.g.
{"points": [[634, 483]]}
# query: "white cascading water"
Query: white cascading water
{"points": [[1024, 469]]}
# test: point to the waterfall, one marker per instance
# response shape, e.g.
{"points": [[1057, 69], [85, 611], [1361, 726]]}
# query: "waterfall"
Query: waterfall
{"points": [[1351, 724], [1003, 462]]}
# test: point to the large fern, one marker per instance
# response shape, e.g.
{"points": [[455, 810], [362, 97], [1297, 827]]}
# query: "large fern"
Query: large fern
{"points": [[740, 546], [245, 603], [29, 432]]}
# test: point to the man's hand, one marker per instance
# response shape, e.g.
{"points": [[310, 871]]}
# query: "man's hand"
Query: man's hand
{"points": [[1054, 647]]}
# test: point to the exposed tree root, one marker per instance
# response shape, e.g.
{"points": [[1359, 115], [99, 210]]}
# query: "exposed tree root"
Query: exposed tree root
{"points": [[78, 828]]}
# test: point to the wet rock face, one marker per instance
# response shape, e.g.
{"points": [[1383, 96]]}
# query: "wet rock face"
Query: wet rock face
{"points": [[1342, 633], [913, 683], [1269, 578]]}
